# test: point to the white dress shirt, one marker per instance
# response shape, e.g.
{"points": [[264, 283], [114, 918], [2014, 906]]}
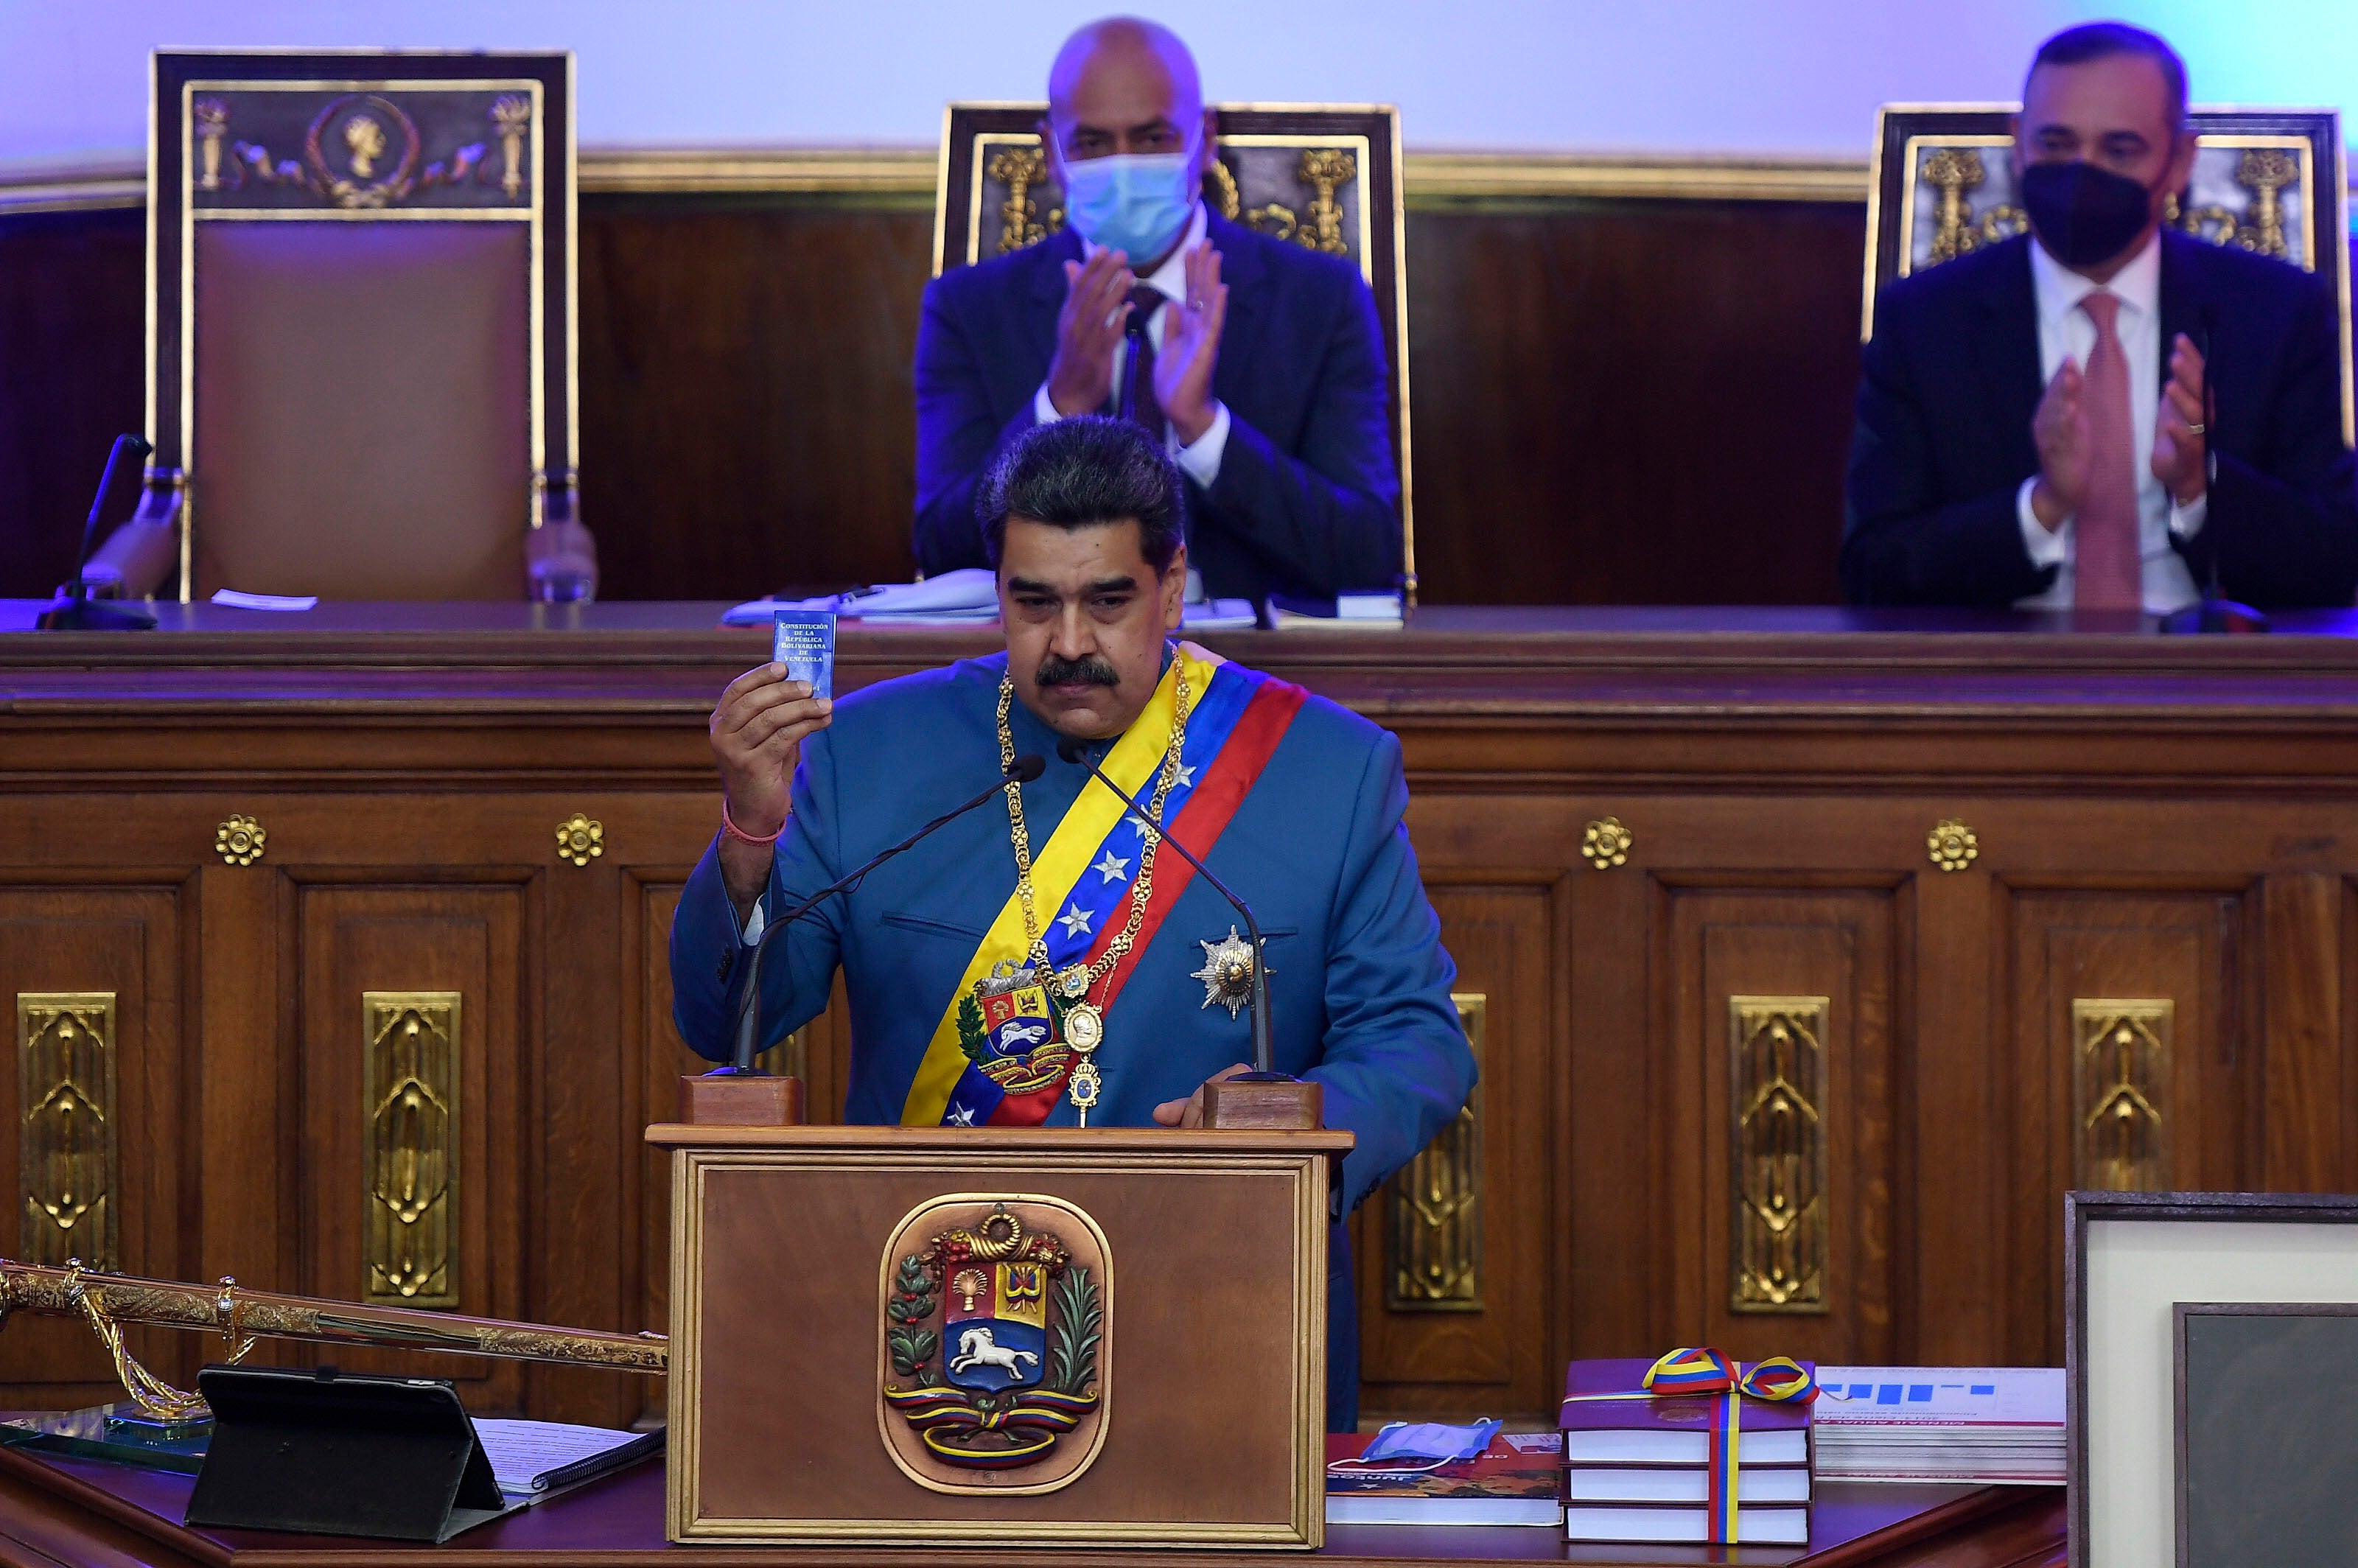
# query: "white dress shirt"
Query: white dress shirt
{"points": [[1199, 459], [2066, 332]]}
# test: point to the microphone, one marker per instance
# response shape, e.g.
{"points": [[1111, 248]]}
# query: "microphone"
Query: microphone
{"points": [[2216, 613], [1021, 771], [72, 609], [1073, 751]]}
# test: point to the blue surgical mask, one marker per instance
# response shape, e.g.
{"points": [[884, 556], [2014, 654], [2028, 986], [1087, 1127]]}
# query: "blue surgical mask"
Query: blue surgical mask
{"points": [[1138, 203], [1431, 1441]]}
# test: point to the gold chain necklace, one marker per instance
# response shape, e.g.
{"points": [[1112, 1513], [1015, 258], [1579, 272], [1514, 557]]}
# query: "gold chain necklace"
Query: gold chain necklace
{"points": [[1083, 1021]]}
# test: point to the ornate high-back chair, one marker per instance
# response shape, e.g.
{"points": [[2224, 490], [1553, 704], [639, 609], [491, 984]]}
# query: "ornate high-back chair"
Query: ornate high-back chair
{"points": [[2271, 181], [361, 382], [1324, 176]]}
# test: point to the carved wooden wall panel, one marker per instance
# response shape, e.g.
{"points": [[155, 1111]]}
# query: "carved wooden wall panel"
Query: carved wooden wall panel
{"points": [[818, 1049], [62, 951], [2164, 1108], [1495, 1353], [1773, 1116], [1776, 820], [421, 945]]}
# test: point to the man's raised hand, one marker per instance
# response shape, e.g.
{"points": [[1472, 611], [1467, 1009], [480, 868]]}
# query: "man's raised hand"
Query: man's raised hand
{"points": [[2060, 428], [1191, 348], [1089, 331], [2182, 433], [757, 729]]}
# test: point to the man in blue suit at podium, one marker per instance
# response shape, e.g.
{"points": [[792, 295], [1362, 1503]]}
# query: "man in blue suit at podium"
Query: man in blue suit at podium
{"points": [[1027, 959], [1264, 371]]}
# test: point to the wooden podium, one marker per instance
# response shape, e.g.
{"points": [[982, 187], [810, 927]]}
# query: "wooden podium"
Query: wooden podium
{"points": [[1006, 1337]]}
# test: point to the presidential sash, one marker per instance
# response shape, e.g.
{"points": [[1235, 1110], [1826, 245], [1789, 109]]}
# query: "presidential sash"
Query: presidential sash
{"points": [[997, 1056]]}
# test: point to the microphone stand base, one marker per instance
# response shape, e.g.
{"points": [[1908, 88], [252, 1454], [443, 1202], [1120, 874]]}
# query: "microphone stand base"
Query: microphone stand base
{"points": [[68, 613], [2214, 617], [727, 1097], [1259, 1102]]}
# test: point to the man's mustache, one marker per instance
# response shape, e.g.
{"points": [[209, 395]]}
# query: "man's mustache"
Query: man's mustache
{"points": [[1093, 670]]}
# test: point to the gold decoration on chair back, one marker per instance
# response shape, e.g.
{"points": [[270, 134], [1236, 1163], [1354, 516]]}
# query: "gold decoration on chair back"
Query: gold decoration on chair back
{"points": [[360, 271], [1325, 176], [2267, 181]]}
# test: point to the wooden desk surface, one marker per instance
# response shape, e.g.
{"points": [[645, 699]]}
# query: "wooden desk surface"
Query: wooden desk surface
{"points": [[79, 1511], [1505, 660]]}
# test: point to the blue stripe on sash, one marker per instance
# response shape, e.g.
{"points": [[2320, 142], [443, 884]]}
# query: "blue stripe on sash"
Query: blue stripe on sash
{"points": [[1103, 891]]}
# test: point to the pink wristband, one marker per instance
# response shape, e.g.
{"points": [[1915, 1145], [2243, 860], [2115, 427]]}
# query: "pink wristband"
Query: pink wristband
{"points": [[730, 828]]}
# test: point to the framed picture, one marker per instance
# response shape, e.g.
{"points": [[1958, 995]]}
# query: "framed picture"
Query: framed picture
{"points": [[2267, 1418], [2132, 1261]]}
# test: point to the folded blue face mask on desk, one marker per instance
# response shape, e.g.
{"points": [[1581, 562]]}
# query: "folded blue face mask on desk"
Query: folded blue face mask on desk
{"points": [[1431, 1441]]}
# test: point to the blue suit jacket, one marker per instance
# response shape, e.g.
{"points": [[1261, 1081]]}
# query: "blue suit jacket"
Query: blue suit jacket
{"points": [[1942, 444], [1307, 499], [1358, 981]]}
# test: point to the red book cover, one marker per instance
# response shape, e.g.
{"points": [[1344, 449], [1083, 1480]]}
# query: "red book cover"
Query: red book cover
{"points": [[1689, 1412], [1499, 1474]]}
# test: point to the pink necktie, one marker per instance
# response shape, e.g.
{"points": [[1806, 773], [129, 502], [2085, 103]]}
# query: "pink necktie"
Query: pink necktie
{"points": [[2108, 570]]}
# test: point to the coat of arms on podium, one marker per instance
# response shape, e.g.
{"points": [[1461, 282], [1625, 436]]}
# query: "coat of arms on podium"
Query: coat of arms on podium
{"points": [[997, 1338]]}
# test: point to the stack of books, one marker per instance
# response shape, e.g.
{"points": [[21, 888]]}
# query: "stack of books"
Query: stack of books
{"points": [[1513, 1481], [1992, 1425], [1640, 1470]]}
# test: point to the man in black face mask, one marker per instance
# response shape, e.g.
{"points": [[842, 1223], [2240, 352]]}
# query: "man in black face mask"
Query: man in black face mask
{"points": [[2108, 413]]}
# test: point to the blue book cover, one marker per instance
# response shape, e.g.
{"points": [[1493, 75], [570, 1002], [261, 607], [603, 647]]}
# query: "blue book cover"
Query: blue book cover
{"points": [[804, 642]]}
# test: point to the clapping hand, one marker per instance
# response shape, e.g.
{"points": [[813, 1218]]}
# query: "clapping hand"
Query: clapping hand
{"points": [[2180, 431], [2061, 430], [1088, 330], [1191, 348]]}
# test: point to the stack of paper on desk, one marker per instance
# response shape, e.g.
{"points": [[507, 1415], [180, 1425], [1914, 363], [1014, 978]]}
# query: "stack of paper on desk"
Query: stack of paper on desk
{"points": [[967, 596], [1987, 1424], [534, 1460]]}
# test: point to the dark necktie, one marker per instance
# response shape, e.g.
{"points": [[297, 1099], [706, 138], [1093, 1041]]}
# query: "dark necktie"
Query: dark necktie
{"points": [[1143, 303], [2108, 569]]}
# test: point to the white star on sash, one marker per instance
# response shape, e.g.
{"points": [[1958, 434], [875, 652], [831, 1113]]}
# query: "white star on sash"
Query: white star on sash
{"points": [[1113, 868], [1144, 826], [1187, 778], [960, 1116], [1076, 921]]}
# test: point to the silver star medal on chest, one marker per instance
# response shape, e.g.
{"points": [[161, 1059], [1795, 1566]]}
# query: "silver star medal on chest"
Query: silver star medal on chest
{"points": [[1228, 972]]}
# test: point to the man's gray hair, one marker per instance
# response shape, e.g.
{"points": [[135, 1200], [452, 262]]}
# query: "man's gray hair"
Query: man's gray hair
{"points": [[1085, 472]]}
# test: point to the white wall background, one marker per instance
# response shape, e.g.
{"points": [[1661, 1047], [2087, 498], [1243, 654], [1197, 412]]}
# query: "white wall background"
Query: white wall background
{"points": [[1761, 76]]}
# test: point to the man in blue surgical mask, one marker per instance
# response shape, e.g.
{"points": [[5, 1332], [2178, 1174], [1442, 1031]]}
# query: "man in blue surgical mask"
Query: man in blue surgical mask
{"points": [[1262, 370], [2109, 414]]}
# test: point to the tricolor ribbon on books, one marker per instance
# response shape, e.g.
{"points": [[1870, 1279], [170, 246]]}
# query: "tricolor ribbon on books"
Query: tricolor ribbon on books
{"points": [[1700, 1373]]}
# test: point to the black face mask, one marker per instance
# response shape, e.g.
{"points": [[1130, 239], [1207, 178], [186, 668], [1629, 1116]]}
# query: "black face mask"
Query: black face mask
{"points": [[2083, 214]]}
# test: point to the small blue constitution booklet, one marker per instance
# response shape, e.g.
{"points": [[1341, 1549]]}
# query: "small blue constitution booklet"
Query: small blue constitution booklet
{"points": [[805, 643]]}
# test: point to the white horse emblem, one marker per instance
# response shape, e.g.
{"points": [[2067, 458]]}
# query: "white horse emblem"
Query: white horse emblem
{"points": [[1019, 1034], [977, 1348]]}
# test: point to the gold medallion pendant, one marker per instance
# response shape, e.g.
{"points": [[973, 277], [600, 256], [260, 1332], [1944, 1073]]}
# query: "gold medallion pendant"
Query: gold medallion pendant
{"points": [[997, 1344], [1084, 1032]]}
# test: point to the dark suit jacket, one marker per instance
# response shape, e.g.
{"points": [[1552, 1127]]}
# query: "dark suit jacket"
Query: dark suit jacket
{"points": [[1307, 498], [1943, 443]]}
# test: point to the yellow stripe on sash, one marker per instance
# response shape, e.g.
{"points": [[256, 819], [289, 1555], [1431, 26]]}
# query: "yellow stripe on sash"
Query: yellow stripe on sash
{"points": [[1056, 869]]}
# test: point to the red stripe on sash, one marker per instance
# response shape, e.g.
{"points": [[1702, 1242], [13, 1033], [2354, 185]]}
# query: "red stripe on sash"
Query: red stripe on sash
{"points": [[1205, 817]]}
